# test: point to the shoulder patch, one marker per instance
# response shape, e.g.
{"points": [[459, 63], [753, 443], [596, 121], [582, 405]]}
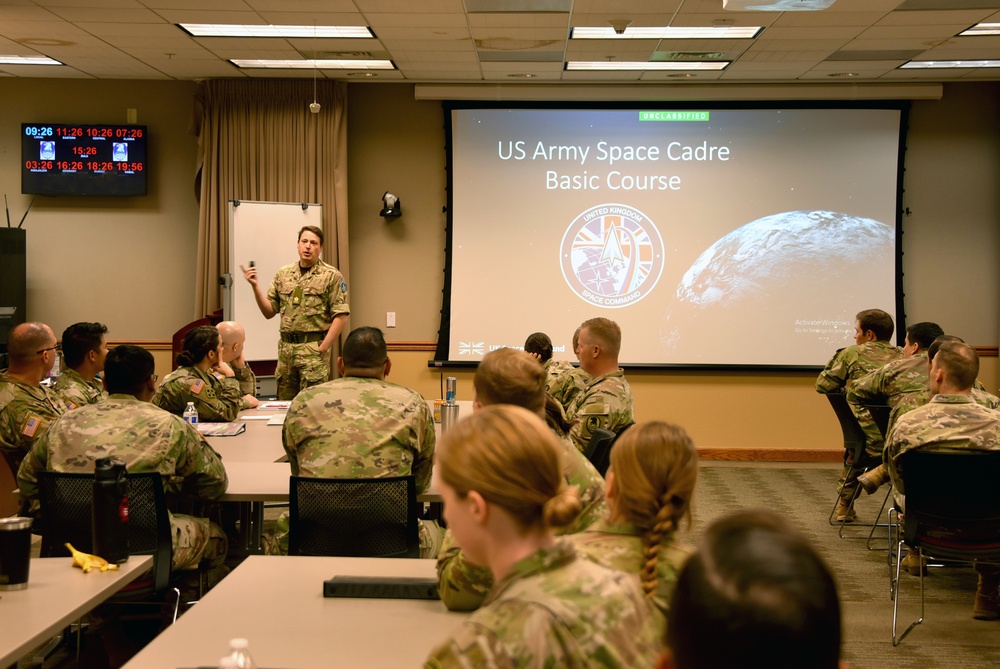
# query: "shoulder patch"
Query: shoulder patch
{"points": [[31, 426], [343, 286], [70, 404], [197, 387]]}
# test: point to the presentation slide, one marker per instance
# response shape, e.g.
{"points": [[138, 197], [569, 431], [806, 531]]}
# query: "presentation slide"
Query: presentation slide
{"points": [[725, 237]]}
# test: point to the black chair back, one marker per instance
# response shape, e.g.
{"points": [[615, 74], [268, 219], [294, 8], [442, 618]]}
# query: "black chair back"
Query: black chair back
{"points": [[854, 436], [66, 500], [353, 517], [880, 414], [952, 506], [599, 447]]}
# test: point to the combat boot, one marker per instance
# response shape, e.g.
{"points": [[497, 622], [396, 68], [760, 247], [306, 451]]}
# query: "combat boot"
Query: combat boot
{"points": [[873, 479], [987, 606], [913, 563], [845, 511]]}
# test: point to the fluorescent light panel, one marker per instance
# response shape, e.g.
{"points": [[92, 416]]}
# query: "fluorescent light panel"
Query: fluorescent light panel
{"points": [[667, 32], [981, 29], [234, 30], [310, 64], [948, 64], [27, 60], [611, 66]]}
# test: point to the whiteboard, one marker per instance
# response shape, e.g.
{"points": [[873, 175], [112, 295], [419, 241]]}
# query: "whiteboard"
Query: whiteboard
{"points": [[265, 232]]}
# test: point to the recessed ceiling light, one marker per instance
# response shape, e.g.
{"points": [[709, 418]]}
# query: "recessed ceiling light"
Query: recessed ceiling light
{"points": [[310, 64], [27, 60], [604, 65], [667, 32], [981, 29], [234, 30], [946, 64]]}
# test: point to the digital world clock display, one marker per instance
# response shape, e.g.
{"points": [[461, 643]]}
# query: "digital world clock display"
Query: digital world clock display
{"points": [[83, 159]]}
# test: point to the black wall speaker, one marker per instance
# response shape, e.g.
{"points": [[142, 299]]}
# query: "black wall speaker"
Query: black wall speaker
{"points": [[13, 280]]}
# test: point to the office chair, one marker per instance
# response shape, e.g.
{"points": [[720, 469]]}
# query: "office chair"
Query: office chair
{"points": [[952, 512], [353, 517], [855, 457], [599, 447]]}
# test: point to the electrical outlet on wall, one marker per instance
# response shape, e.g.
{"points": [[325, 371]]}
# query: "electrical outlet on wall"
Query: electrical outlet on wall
{"points": [[390, 319]]}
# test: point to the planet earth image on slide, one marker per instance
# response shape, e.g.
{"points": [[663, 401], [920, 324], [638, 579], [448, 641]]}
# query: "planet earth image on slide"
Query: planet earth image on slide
{"points": [[794, 279]]}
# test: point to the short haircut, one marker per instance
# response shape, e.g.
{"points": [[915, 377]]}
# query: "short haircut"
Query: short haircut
{"points": [[80, 339], [127, 368], [539, 344], [923, 334], [877, 321], [313, 229], [756, 593], [606, 332], [509, 376], [936, 344], [197, 343], [365, 348], [960, 363], [25, 340]]}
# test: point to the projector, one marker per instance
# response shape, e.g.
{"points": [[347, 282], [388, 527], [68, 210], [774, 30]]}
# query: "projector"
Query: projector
{"points": [[776, 5]]}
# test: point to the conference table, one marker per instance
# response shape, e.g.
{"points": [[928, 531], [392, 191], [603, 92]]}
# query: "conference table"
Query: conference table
{"points": [[258, 471], [57, 594], [277, 604]]}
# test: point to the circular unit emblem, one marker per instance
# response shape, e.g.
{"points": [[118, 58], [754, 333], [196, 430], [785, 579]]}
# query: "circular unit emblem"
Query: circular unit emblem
{"points": [[612, 255]]}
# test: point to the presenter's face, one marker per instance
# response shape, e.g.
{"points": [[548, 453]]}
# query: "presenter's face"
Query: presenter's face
{"points": [[309, 249]]}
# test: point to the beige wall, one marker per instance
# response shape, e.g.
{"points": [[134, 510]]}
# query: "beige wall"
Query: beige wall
{"points": [[130, 263]]}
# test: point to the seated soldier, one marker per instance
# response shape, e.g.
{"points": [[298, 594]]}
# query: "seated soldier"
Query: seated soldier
{"points": [[84, 348], [755, 594], [872, 350], [539, 346], [168, 445]]}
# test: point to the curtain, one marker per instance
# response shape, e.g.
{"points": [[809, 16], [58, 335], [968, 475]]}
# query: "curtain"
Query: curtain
{"points": [[257, 140]]}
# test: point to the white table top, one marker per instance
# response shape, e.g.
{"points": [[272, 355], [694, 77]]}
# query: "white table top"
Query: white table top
{"points": [[259, 443], [57, 594], [277, 604]]}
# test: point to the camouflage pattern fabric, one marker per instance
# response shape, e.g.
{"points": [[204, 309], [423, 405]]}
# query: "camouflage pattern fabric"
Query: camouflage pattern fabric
{"points": [[847, 366], [619, 546], [605, 402], [911, 401], [247, 381], [891, 381], [307, 302], [77, 391], [554, 609], [25, 412], [554, 371], [218, 399], [946, 423], [567, 385], [463, 585], [360, 428], [147, 439]]}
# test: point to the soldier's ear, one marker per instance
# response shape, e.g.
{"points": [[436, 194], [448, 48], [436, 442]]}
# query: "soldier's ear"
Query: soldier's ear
{"points": [[340, 366], [478, 506], [388, 366]]}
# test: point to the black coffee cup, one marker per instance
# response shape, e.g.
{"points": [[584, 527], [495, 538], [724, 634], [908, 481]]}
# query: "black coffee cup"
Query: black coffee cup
{"points": [[15, 552]]}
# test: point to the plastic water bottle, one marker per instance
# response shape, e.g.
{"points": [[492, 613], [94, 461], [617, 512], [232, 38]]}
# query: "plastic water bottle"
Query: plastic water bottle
{"points": [[240, 654], [54, 373], [190, 413], [227, 662]]}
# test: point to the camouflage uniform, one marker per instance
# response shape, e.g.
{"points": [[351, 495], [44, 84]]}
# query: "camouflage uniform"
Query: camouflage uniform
{"points": [[947, 422], [554, 609], [554, 371], [619, 546], [77, 391], [891, 381], [911, 401], [25, 412], [308, 302], [604, 402], [463, 585], [217, 398], [247, 381], [567, 385], [147, 439], [357, 427]]}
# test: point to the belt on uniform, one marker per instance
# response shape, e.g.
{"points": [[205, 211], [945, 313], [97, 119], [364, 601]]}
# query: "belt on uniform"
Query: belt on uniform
{"points": [[302, 337]]}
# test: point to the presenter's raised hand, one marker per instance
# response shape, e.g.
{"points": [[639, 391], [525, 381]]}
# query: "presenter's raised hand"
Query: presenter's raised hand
{"points": [[250, 274]]}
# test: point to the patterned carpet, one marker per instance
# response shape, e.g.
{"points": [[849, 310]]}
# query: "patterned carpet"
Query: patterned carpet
{"points": [[949, 637]]}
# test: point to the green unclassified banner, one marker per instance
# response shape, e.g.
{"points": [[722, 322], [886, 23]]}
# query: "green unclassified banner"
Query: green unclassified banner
{"points": [[667, 115]]}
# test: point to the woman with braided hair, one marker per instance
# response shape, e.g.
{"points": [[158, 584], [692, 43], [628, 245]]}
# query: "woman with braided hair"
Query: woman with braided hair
{"points": [[654, 467], [500, 475]]}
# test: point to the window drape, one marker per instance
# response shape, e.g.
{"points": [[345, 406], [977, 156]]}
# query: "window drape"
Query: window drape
{"points": [[257, 140]]}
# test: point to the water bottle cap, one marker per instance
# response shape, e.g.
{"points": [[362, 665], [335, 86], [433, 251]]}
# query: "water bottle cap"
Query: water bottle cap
{"points": [[238, 643]]}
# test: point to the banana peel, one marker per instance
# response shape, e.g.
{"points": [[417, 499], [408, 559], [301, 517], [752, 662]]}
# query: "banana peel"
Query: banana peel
{"points": [[88, 562]]}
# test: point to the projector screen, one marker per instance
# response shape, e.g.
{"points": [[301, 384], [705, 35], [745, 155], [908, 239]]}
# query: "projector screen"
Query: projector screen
{"points": [[712, 236]]}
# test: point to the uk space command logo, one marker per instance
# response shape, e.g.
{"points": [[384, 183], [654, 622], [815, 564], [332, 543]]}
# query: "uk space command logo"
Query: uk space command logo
{"points": [[612, 255]]}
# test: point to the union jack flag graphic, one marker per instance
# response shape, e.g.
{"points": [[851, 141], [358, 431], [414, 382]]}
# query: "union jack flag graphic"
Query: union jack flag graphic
{"points": [[471, 347]]}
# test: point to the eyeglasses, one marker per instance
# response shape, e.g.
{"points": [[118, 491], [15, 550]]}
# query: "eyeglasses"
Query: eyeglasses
{"points": [[57, 347]]}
